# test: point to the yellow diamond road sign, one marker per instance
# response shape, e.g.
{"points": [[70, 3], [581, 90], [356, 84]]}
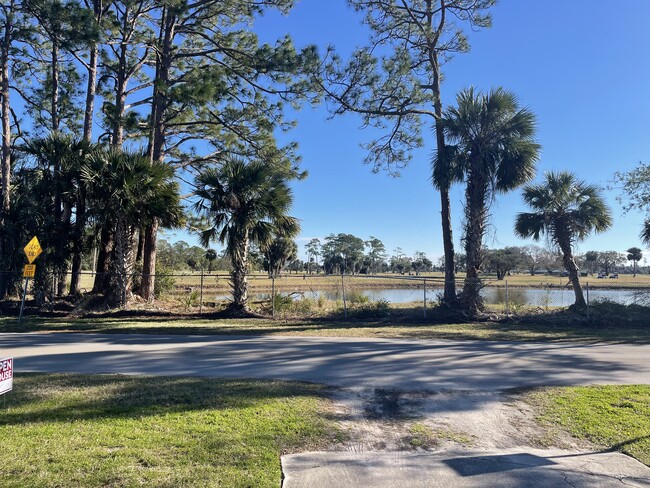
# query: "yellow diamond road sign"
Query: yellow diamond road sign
{"points": [[33, 250]]}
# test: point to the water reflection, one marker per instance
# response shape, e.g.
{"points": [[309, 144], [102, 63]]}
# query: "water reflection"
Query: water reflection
{"points": [[550, 297]]}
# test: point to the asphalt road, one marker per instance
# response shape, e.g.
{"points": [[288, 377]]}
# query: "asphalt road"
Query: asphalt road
{"points": [[347, 362]]}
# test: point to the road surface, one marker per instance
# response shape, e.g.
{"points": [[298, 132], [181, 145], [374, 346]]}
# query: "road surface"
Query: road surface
{"points": [[346, 362]]}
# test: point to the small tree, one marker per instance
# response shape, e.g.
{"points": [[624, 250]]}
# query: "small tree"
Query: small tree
{"points": [[635, 255], [277, 254], [567, 210], [210, 256], [502, 261]]}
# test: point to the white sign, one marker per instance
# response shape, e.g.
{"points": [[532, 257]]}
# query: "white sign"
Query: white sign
{"points": [[6, 375]]}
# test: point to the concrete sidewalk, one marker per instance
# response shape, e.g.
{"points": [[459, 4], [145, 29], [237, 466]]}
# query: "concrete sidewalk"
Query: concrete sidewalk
{"points": [[514, 468]]}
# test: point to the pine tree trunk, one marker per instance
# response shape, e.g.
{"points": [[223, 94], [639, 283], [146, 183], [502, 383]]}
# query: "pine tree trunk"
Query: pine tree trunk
{"points": [[149, 262], [5, 163], [157, 139], [449, 295]]}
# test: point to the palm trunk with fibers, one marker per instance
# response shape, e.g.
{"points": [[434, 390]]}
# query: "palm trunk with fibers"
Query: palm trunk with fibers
{"points": [[475, 215], [102, 281], [572, 268], [238, 278], [122, 263]]}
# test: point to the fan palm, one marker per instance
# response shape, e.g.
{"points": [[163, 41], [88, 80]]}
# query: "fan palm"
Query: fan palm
{"points": [[58, 159], [127, 192], [645, 232], [490, 145], [566, 210], [244, 203]]}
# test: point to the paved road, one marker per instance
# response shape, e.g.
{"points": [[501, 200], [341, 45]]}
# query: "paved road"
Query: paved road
{"points": [[348, 362]]}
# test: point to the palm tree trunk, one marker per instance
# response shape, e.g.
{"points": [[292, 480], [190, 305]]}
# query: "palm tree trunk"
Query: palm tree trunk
{"points": [[239, 281], [572, 268], [102, 280], [475, 216]]}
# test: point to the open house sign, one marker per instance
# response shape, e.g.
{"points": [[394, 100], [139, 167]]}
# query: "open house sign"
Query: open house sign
{"points": [[6, 375]]}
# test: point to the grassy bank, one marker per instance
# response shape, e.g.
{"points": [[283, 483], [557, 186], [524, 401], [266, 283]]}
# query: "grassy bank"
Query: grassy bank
{"points": [[383, 328], [612, 417], [65, 430]]}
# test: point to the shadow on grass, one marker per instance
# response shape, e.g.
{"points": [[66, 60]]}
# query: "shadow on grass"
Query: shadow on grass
{"points": [[70, 397]]}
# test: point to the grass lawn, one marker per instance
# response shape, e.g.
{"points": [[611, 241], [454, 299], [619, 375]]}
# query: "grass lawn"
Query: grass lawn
{"points": [[384, 328], [612, 417], [96, 430]]}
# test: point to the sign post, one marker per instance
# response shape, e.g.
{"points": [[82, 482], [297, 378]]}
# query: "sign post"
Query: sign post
{"points": [[32, 250]]}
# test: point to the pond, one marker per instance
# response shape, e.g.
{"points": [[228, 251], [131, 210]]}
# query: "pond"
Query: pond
{"points": [[551, 297]]}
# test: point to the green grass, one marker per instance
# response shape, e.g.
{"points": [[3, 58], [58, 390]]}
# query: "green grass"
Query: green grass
{"points": [[612, 417], [548, 331], [65, 430]]}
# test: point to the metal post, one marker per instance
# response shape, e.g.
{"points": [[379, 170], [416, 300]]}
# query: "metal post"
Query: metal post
{"points": [[22, 304], [273, 296], [587, 288], [201, 298], [425, 298], [345, 305], [507, 297]]}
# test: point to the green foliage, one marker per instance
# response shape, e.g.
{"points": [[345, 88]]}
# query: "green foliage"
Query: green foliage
{"points": [[502, 261], [244, 203], [164, 283], [342, 253], [393, 90], [277, 254], [563, 206]]}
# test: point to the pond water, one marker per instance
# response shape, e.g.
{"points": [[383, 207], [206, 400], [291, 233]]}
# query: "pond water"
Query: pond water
{"points": [[551, 297]]}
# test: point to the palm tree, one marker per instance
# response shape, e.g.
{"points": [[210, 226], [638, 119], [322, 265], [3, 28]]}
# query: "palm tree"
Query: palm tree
{"points": [[58, 158], [244, 203], [127, 192], [635, 255], [566, 210], [490, 145], [210, 255], [645, 233]]}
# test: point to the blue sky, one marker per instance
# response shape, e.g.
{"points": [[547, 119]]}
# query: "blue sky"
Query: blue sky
{"points": [[581, 66]]}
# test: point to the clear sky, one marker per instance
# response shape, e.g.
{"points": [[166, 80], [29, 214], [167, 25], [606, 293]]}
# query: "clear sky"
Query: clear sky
{"points": [[581, 66]]}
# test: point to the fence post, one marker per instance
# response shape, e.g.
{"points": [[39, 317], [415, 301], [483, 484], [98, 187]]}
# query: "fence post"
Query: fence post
{"points": [[201, 295], [273, 296], [507, 298], [587, 288], [425, 298], [345, 305]]}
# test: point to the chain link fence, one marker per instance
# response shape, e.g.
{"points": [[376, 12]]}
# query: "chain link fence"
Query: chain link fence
{"points": [[306, 295]]}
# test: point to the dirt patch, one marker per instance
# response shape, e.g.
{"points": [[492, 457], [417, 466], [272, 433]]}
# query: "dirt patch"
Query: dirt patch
{"points": [[380, 419]]}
